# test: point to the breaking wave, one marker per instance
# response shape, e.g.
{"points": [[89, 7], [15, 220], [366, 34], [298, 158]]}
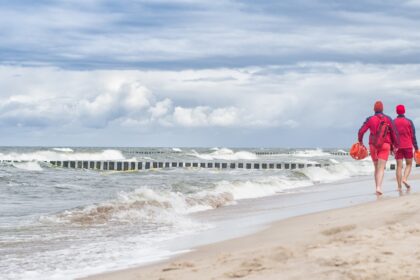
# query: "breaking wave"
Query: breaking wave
{"points": [[336, 172], [225, 154], [64, 150], [61, 155], [30, 166], [311, 153], [144, 206], [148, 205]]}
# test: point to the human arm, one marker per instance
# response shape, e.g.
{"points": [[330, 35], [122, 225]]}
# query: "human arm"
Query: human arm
{"points": [[414, 139], [363, 130], [395, 139]]}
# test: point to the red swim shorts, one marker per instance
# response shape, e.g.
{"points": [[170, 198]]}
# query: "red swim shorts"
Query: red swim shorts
{"points": [[406, 153], [382, 153]]}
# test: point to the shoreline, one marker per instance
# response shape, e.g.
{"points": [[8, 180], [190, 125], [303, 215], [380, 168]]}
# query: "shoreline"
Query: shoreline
{"points": [[329, 244], [337, 244]]}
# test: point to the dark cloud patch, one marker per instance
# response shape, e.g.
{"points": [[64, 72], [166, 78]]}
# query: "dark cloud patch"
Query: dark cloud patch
{"points": [[201, 34]]}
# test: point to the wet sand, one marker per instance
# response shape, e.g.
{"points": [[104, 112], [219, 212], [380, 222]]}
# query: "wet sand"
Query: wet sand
{"points": [[375, 240]]}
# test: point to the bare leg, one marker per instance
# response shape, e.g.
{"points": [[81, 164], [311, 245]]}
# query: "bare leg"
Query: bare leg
{"points": [[399, 173], [380, 169], [407, 170], [375, 165]]}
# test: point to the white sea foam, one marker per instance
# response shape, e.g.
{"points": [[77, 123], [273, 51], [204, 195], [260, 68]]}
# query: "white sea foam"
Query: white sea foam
{"points": [[30, 166], [311, 153], [54, 155], [176, 150], [101, 256], [169, 207], [153, 216], [305, 161], [337, 172], [146, 158], [225, 154], [103, 253], [145, 205], [267, 186], [64, 150], [141, 206], [320, 175]]}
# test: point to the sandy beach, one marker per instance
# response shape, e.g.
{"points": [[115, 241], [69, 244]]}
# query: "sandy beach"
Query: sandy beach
{"points": [[375, 240]]}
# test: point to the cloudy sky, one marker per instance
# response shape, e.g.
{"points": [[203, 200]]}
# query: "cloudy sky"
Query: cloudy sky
{"points": [[235, 73]]}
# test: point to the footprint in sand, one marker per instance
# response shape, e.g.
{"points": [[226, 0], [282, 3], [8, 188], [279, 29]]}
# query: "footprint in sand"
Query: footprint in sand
{"points": [[414, 230], [281, 254], [336, 230], [176, 266], [247, 268], [223, 258]]}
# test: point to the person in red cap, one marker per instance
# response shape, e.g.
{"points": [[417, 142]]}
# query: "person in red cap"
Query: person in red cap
{"points": [[382, 140], [407, 137]]}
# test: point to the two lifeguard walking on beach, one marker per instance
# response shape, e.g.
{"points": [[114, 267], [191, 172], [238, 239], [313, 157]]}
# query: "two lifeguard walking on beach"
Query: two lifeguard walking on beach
{"points": [[387, 136]]}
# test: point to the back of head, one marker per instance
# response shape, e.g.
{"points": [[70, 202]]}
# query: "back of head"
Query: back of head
{"points": [[378, 107], [400, 109]]}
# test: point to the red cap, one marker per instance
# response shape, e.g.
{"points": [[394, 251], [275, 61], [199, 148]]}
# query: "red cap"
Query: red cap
{"points": [[379, 107], [400, 110]]}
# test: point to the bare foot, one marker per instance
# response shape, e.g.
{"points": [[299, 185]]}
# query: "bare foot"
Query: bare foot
{"points": [[406, 184], [379, 191]]}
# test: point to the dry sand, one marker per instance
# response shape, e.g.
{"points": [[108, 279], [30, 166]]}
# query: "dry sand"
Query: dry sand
{"points": [[379, 240]]}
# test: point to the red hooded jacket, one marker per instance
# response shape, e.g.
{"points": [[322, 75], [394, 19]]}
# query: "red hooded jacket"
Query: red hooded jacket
{"points": [[406, 132], [372, 123]]}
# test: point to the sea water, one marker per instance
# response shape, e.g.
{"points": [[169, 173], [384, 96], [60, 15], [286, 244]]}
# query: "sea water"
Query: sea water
{"points": [[65, 223]]}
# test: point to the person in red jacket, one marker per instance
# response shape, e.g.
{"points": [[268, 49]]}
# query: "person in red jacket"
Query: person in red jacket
{"points": [[379, 150], [407, 136]]}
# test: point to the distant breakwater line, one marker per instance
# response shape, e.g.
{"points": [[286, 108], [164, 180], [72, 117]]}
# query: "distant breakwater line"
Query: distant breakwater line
{"points": [[146, 165], [131, 165]]}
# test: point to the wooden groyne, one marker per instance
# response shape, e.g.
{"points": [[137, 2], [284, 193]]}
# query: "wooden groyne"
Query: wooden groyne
{"points": [[146, 165]]}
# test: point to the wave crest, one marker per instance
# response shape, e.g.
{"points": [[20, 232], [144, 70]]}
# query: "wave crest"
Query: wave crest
{"points": [[142, 206], [225, 154], [59, 156], [311, 153], [166, 206], [29, 166]]}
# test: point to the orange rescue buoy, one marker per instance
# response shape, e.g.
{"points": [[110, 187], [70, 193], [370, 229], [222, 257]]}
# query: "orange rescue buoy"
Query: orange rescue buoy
{"points": [[358, 151], [417, 156]]}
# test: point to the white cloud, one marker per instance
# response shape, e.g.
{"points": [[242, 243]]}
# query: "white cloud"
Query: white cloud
{"points": [[206, 116], [192, 116], [130, 100], [225, 117], [135, 96], [161, 108], [327, 96]]}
